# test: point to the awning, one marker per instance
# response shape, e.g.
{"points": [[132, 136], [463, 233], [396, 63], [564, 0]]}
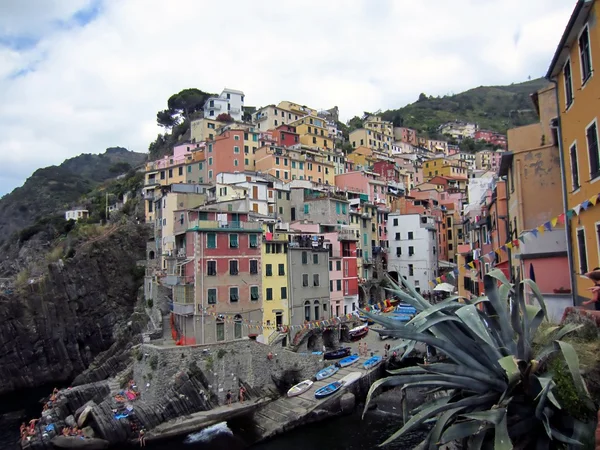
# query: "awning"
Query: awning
{"points": [[444, 287]]}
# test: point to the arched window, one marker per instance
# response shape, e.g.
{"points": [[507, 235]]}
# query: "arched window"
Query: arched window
{"points": [[307, 311], [151, 254], [237, 327], [317, 307]]}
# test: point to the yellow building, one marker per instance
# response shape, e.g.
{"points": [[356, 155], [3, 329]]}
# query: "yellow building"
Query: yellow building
{"points": [[377, 134], [445, 167], [297, 109], [313, 132], [572, 69], [204, 129], [275, 287]]}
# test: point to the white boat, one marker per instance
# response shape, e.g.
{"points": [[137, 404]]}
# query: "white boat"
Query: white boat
{"points": [[351, 378], [300, 388]]}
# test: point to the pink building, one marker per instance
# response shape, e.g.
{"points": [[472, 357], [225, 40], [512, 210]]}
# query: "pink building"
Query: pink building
{"points": [[225, 154]]}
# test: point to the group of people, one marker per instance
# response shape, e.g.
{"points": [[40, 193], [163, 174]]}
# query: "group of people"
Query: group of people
{"points": [[363, 349], [229, 395], [27, 431], [72, 431]]}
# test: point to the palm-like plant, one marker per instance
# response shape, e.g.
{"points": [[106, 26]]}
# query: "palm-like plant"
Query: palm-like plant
{"points": [[494, 391]]}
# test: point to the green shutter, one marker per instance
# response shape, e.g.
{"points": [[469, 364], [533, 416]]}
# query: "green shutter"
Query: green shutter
{"points": [[337, 207], [211, 240]]}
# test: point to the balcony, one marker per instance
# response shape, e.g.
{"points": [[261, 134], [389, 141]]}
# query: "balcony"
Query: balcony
{"points": [[149, 195], [277, 237], [176, 280], [223, 226], [347, 235], [308, 242], [234, 110], [183, 309], [261, 117]]}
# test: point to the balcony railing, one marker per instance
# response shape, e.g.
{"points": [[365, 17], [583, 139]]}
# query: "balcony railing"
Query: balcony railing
{"points": [[308, 241], [183, 309], [347, 235], [219, 225], [277, 237]]}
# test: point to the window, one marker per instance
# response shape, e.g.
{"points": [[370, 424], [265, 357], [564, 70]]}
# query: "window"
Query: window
{"points": [[593, 150], [236, 138], [449, 235], [398, 251], [254, 293], [269, 270], [233, 267], [568, 84], [411, 270], [315, 258], [234, 294], [316, 280], [585, 55], [346, 287], [397, 236], [170, 173], [304, 258], [212, 296], [269, 293], [338, 265], [233, 241], [281, 269], [304, 280], [411, 250], [330, 285], [211, 268], [330, 265], [338, 285], [253, 241], [581, 245], [317, 307], [210, 161], [180, 171], [574, 167], [410, 235], [307, 311], [253, 267], [211, 240], [283, 293], [306, 208]]}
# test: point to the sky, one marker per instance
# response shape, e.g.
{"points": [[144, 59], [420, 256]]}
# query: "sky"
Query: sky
{"points": [[78, 76]]}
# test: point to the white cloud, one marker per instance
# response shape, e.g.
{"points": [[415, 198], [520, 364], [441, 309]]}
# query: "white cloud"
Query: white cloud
{"points": [[100, 84]]}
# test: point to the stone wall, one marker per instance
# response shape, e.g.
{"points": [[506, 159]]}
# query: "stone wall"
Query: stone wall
{"points": [[224, 366]]}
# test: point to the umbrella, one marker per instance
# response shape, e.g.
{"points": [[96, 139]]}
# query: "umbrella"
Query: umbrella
{"points": [[444, 287]]}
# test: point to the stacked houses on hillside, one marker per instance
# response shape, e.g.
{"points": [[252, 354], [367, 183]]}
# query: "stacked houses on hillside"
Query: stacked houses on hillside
{"points": [[265, 228]]}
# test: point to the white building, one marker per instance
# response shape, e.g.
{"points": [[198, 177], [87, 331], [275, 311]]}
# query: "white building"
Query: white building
{"points": [[413, 253], [458, 130], [229, 102], [271, 116], [77, 214]]}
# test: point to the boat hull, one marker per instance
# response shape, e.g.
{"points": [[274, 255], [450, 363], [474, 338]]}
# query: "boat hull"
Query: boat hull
{"points": [[326, 373], [337, 354], [300, 388], [372, 362], [328, 390], [348, 361]]}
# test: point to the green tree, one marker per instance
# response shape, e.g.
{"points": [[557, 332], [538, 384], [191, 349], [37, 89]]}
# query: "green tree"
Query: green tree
{"points": [[355, 123]]}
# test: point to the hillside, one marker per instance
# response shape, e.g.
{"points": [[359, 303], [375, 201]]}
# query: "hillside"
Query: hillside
{"points": [[52, 189], [493, 107]]}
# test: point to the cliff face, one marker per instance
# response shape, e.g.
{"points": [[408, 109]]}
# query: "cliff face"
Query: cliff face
{"points": [[50, 331]]}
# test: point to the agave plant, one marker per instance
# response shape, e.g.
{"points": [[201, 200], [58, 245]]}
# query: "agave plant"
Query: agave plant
{"points": [[493, 391]]}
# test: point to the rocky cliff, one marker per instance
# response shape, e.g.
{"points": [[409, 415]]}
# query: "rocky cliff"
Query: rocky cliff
{"points": [[51, 329]]}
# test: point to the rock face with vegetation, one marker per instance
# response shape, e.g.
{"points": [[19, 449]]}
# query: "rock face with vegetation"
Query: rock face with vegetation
{"points": [[51, 190], [496, 108], [52, 327]]}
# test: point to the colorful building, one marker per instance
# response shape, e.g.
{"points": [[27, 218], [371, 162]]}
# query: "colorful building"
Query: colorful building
{"points": [[313, 132], [578, 106]]}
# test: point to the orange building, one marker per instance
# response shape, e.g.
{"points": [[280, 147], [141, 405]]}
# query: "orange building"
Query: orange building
{"points": [[578, 105]]}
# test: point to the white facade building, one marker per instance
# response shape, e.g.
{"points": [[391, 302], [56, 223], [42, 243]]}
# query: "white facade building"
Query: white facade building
{"points": [[229, 102], [413, 253], [76, 214]]}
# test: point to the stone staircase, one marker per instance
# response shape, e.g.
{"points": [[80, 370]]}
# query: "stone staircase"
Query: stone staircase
{"points": [[114, 386]]}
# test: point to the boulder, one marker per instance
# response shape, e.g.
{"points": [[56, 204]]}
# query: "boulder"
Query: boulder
{"points": [[70, 421], [81, 421]]}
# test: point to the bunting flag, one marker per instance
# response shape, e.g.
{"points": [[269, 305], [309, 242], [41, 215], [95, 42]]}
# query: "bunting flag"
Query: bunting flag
{"points": [[535, 232]]}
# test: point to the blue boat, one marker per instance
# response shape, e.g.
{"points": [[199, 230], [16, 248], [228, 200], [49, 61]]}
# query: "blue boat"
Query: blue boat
{"points": [[326, 391], [372, 362], [400, 317], [326, 372], [348, 361]]}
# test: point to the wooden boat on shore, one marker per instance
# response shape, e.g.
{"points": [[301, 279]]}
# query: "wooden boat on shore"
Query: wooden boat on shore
{"points": [[337, 354], [372, 362], [348, 360], [359, 332], [326, 372], [300, 388], [329, 389]]}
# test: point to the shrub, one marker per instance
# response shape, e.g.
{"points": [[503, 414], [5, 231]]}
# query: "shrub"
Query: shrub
{"points": [[499, 389], [153, 362], [150, 303], [222, 352]]}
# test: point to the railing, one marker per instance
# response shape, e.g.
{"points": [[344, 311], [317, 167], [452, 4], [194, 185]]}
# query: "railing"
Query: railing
{"points": [[176, 280], [308, 242], [232, 225], [278, 237], [347, 235]]}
